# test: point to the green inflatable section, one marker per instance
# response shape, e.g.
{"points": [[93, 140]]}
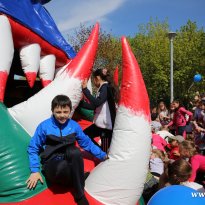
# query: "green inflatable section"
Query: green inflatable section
{"points": [[141, 201], [14, 165], [87, 114]]}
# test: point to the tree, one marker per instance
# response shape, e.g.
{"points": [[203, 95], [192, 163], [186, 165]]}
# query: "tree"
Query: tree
{"points": [[189, 58], [151, 48]]}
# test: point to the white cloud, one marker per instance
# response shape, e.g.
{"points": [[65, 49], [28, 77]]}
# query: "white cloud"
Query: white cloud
{"points": [[70, 14]]}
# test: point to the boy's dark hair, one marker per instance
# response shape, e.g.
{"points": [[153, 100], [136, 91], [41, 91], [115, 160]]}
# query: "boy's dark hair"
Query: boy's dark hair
{"points": [[61, 101]]}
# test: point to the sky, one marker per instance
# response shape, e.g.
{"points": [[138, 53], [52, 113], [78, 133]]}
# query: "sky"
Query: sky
{"points": [[123, 17]]}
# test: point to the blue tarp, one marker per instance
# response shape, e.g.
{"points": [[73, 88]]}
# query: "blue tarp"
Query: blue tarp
{"points": [[33, 15]]}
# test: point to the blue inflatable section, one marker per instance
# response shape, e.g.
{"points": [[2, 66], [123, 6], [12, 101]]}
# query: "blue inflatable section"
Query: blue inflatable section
{"points": [[33, 15]]}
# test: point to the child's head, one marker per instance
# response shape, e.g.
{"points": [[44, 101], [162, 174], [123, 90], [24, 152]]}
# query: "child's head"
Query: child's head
{"points": [[61, 107], [190, 137], [171, 107], [156, 153], [187, 149], [197, 103], [154, 110], [175, 140], [154, 116], [179, 171], [176, 104], [99, 76], [161, 106], [203, 105]]}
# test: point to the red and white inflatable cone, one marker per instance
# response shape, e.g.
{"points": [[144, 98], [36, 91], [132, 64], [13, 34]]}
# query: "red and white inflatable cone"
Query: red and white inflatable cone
{"points": [[30, 61], [81, 66], [120, 179], [47, 69], [31, 78]]}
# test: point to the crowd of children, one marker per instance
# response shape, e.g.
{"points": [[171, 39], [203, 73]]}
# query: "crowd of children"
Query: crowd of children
{"points": [[178, 147]]}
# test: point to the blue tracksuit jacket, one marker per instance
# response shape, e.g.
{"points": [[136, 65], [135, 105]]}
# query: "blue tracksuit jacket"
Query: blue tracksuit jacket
{"points": [[52, 127]]}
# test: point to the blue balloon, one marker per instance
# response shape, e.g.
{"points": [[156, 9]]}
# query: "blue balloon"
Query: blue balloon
{"points": [[197, 78], [177, 195]]}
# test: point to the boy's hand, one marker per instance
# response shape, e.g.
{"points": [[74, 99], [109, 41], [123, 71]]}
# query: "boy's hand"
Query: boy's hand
{"points": [[106, 157], [33, 179]]}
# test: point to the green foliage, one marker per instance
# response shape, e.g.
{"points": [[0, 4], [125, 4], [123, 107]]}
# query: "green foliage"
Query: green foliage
{"points": [[188, 58], [151, 46]]}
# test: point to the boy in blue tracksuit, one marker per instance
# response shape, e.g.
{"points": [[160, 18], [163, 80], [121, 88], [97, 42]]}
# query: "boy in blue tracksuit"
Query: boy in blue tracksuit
{"points": [[54, 140]]}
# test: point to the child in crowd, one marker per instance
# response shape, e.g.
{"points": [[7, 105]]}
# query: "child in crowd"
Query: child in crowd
{"points": [[173, 146], [178, 173], [199, 140], [198, 117], [163, 113], [156, 168], [157, 141], [199, 129], [154, 110], [187, 150], [155, 122], [179, 119], [62, 161], [156, 162]]}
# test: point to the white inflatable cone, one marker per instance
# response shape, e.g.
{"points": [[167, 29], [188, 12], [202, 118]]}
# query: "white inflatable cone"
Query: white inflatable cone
{"points": [[6, 53], [30, 61], [47, 69], [120, 179]]}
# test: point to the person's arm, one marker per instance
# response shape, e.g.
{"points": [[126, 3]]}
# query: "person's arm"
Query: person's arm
{"points": [[184, 111], [34, 147], [96, 102], [169, 124], [197, 127], [86, 143], [36, 143], [195, 167]]}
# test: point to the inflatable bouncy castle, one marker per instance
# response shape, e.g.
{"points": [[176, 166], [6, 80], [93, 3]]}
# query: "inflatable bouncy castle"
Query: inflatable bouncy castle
{"points": [[31, 43]]}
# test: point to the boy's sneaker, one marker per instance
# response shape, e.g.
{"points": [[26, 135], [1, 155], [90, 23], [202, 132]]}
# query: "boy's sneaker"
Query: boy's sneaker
{"points": [[82, 201]]}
